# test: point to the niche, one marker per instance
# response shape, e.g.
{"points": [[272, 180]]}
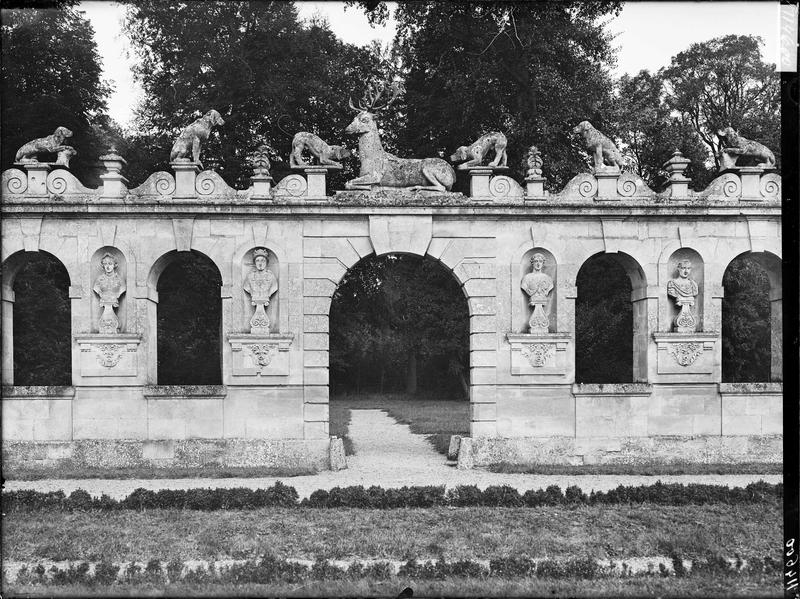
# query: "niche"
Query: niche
{"points": [[248, 310], [697, 275], [550, 269], [97, 272]]}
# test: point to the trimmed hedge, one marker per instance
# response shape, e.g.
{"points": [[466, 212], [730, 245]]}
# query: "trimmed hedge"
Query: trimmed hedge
{"points": [[281, 495], [268, 569]]}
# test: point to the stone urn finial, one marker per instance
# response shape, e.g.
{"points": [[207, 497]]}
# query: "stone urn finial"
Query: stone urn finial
{"points": [[676, 165]]}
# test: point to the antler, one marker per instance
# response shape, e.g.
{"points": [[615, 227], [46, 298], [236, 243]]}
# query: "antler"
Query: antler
{"points": [[369, 101], [396, 90]]}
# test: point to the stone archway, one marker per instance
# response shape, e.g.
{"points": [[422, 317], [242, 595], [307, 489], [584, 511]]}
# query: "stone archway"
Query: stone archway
{"points": [[332, 248], [32, 283]]}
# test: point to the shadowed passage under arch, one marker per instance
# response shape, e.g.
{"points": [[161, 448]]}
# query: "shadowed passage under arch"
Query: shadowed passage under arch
{"points": [[746, 320], [400, 323], [41, 322], [189, 321], [603, 322]]}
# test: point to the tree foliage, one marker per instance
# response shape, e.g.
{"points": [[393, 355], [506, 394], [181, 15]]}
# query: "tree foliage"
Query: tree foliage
{"points": [[724, 82], [51, 74], [746, 346], [189, 322], [42, 327], [650, 133], [531, 70], [268, 74], [398, 322]]}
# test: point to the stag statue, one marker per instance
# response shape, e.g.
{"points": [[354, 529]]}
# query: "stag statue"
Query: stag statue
{"points": [[379, 167]]}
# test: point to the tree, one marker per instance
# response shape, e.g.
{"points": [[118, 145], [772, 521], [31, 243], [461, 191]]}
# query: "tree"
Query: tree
{"points": [[265, 72], [51, 74], [399, 322], [650, 133], [746, 347], [42, 328], [531, 70], [724, 82]]}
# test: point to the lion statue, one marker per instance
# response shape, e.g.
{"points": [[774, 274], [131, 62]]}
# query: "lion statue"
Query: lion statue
{"points": [[475, 153], [734, 147], [189, 140], [52, 144], [601, 149], [325, 154]]}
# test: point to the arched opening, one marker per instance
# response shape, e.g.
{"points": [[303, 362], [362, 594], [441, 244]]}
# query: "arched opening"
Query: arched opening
{"points": [[42, 330], [751, 319], [399, 341], [607, 349], [189, 321]]}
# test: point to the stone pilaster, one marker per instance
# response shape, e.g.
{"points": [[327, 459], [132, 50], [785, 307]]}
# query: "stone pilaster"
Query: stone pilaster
{"points": [[534, 187], [261, 186], [479, 181], [678, 184], [776, 334], [37, 177], [607, 183], [185, 176], [114, 184], [315, 177], [751, 182], [8, 336]]}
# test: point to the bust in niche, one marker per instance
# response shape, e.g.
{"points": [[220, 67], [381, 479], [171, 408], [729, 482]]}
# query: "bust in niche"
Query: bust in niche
{"points": [[109, 286], [538, 286], [261, 284], [683, 291]]}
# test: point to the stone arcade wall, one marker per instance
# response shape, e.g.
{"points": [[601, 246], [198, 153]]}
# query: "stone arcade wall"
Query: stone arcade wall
{"points": [[272, 406]]}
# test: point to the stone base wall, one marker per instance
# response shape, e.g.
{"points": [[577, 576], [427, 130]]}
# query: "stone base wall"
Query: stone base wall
{"points": [[702, 449], [125, 453]]}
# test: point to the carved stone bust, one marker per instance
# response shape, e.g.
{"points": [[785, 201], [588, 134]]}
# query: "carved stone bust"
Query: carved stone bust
{"points": [[536, 283], [538, 286], [109, 286], [684, 290], [261, 284]]}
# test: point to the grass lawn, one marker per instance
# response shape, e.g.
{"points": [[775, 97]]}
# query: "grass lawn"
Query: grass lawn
{"points": [[750, 586], [401, 534], [66, 472], [437, 419], [638, 469]]}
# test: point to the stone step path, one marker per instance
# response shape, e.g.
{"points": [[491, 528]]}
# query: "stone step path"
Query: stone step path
{"points": [[388, 455]]}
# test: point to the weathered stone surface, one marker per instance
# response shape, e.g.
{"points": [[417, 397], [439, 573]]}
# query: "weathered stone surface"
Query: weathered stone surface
{"points": [[52, 144], [189, 143], [487, 247], [600, 149], [709, 449], [735, 147], [453, 448], [338, 460], [466, 459], [379, 168]]}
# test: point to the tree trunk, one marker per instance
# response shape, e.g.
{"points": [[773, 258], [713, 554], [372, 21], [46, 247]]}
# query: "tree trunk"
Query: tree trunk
{"points": [[383, 375], [411, 379]]}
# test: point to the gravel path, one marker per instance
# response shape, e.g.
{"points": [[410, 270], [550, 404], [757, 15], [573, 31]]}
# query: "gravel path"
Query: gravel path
{"points": [[388, 455]]}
